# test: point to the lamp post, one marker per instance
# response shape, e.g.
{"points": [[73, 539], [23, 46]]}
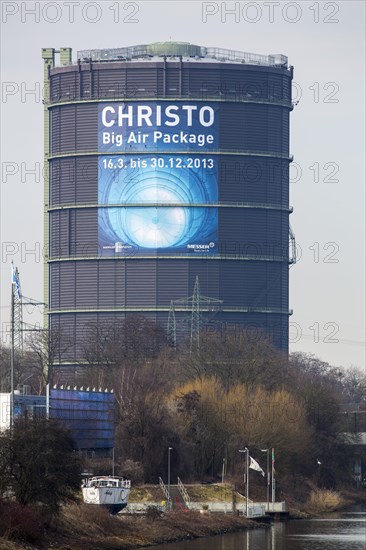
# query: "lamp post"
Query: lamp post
{"points": [[318, 472], [169, 449], [268, 476], [222, 478], [273, 480], [246, 477]]}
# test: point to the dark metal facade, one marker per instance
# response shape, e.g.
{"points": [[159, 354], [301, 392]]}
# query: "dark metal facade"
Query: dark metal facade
{"points": [[250, 273], [89, 415]]}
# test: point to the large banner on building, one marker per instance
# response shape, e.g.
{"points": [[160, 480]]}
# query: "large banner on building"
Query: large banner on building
{"points": [[158, 188]]}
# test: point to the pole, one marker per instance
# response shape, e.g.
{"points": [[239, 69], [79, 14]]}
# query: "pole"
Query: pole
{"points": [[12, 328], [247, 486], [47, 401], [113, 462], [223, 472], [245, 476], [169, 449], [273, 480], [268, 480], [268, 475]]}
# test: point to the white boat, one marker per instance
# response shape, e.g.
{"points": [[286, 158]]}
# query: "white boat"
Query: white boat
{"points": [[111, 492]]}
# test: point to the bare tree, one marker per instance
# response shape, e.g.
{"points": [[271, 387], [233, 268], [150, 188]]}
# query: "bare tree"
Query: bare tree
{"points": [[47, 345], [111, 346], [23, 370], [237, 357]]}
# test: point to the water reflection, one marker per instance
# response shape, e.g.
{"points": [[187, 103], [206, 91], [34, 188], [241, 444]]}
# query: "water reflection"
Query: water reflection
{"points": [[340, 531], [346, 531]]}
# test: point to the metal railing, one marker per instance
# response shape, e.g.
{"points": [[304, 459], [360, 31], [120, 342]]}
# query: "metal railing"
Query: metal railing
{"points": [[273, 506], [185, 50], [164, 488], [183, 492], [256, 510]]}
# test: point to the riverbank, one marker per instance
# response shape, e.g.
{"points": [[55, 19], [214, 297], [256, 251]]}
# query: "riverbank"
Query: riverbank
{"points": [[81, 527], [322, 501]]}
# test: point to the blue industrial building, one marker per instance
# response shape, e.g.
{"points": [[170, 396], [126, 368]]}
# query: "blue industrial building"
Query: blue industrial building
{"points": [[89, 415]]}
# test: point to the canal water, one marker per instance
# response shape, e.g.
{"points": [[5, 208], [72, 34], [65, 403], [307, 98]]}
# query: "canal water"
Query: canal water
{"points": [[342, 531]]}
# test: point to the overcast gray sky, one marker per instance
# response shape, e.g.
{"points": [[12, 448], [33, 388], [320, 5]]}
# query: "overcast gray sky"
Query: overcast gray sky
{"points": [[325, 41]]}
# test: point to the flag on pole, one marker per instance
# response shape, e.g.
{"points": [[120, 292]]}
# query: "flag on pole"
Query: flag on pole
{"points": [[255, 466], [15, 281]]}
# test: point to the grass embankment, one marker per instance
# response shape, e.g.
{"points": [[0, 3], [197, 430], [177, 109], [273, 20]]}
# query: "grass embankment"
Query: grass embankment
{"points": [[82, 527], [198, 493], [144, 494], [213, 493], [87, 528]]}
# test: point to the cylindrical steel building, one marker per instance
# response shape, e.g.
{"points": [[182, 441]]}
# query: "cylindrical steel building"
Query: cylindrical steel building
{"points": [[167, 162]]}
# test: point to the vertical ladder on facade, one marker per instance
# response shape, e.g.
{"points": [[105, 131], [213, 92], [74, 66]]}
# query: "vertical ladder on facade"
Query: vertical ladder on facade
{"points": [[292, 243]]}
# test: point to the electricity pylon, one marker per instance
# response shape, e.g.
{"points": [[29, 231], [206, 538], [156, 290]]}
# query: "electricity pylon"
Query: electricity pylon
{"points": [[198, 310]]}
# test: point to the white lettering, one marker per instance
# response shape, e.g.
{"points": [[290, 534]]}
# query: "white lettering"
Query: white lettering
{"points": [[211, 116], [169, 114], [189, 109], [104, 117], [128, 116], [146, 115]]}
